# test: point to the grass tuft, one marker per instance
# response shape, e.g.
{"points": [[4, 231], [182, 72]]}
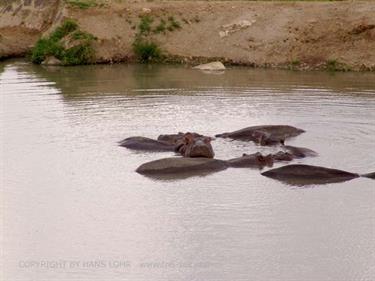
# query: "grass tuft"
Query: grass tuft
{"points": [[145, 25], [334, 65], [82, 4], [161, 27], [173, 24], [67, 27], [80, 54], [146, 51]]}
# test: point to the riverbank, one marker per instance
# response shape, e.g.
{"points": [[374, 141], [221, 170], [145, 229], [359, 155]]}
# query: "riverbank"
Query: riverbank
{"points": [[297, 35]]}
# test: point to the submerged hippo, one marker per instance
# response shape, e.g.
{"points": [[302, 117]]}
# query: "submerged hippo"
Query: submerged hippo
{"points": [[282, 156], [264, 135], [255, 160], [178, 165], [147, 144], [369, 175], [307, 174], [195, 146], [299, 152], [193, 166]]}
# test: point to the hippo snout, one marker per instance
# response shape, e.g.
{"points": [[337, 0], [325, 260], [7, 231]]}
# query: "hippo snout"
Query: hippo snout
{"points": [[201, 149]]}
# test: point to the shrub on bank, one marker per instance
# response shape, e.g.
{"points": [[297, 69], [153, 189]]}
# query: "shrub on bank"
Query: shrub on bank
{"points": [[146, 51], [66, 43]]}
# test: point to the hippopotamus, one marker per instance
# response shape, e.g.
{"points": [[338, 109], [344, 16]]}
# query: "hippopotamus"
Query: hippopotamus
{"points": [[195, 146], [258, 160], [200, 165], [174, 138], [299, 152], [369, 175], [147, 144], [299, 174], [255, 160], [264, 135], [178, 165], [282, 156], [163, 143]]}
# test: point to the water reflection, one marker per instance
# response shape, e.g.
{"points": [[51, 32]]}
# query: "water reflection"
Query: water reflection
{"points": [[124, 79]]}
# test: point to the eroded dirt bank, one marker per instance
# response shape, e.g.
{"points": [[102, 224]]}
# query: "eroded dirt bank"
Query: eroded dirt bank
{"points": [[274, 34]]}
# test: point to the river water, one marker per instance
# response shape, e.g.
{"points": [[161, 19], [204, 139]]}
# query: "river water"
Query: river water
{"points": [[74, 209]]}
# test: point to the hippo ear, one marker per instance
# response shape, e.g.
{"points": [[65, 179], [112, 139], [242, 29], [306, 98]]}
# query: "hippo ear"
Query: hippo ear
{"points": [[260, 158], [269, 160], [188, 137], [207, 140], [261, 139]]}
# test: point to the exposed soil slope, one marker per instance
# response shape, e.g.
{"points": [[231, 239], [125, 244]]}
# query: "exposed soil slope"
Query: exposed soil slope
{"points": [[276, 34]]}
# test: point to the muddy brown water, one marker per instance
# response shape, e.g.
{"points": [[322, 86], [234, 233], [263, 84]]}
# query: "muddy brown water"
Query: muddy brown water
{"points": [[74, 209]]}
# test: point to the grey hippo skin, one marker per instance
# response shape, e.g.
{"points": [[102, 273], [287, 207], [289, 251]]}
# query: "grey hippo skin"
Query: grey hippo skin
{"points": [[146, 144], [199, 166], [174, 138], [177, 165], [307, 174], [195, 146], [299, 152], [256, 160], [264, 135], [369, 175], [282, 156]]}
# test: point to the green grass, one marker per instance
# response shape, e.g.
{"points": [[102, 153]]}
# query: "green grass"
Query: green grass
{"points": [[81, 52], [46, 47], [146, 51], [80, 35], [295, 62], [173, 24], [82, 4], [334, 65], [145, 25], [161, 27], [60, 32], [144, 48]]}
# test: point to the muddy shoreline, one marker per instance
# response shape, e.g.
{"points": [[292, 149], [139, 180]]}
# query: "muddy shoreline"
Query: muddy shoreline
{"points": [[296, 35]]}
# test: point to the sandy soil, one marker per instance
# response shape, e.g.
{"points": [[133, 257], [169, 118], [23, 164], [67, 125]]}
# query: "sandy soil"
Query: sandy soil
{"points": [[302, 35], [23, 22]]}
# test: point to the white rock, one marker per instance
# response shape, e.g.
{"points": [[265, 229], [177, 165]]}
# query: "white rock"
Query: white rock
{"points": [[215, 65], [52, 61], [235, 26], [146, 10], [223, 34]]}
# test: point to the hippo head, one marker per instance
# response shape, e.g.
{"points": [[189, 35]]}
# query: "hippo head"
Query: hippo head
{"points": [[282, 156], [176, 139], [172, 139], [266, 138], [259, 159], [195, 146]]}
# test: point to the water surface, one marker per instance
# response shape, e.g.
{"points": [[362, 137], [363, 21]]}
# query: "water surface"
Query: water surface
{"points": [[74, 209]]}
